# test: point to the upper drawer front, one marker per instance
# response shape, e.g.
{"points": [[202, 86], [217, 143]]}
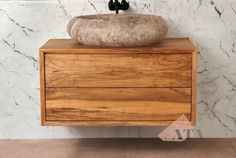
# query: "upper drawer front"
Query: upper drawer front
{"points": [[118, 70]]}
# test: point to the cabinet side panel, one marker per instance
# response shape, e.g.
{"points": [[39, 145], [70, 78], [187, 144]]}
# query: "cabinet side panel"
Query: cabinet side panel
{"points": [[42, 86], [194, 78]]}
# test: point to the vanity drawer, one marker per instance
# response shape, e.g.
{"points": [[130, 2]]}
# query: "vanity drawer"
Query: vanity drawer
{"points": [[117, 104], [118, 70]]}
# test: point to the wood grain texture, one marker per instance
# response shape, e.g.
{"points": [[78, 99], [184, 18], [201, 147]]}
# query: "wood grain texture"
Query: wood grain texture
{"points": [[42, 87], [108, 123], [118, 70], [142, 86], [194, 87], [181, 95], [116, 104], [167, 46], [115, 110]]}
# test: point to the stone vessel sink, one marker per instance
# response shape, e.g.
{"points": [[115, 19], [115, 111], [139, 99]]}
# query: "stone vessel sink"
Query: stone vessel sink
{"points": [[122, 30]]}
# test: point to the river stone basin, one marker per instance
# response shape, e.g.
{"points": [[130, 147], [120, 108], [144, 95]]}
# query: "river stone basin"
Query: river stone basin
{"points": [[122, 30]]}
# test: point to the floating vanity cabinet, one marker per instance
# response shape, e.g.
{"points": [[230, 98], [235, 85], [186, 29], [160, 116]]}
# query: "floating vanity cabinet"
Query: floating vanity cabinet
{"points": [[94, 86]]}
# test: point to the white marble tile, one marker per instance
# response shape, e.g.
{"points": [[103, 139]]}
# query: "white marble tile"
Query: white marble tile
{"points": [[26, 25]]}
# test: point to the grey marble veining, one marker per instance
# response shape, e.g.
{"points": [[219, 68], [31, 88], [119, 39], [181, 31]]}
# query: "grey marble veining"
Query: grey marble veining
{"points": [[26, 25]]}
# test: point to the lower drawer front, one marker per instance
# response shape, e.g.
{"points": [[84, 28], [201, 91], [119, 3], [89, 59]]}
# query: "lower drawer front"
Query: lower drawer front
{"points": [[117, 104]]}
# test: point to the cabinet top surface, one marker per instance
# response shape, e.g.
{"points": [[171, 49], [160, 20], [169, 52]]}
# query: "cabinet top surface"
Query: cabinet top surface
{"points": [[169, 45]]}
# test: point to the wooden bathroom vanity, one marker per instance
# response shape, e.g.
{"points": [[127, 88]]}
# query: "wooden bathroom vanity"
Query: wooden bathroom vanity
{"points": [[139, 86]]}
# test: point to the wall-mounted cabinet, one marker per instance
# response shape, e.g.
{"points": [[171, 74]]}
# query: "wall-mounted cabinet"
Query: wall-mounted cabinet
{"points": [[141, 86]]}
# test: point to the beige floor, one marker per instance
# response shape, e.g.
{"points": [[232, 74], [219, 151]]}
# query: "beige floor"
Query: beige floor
{"points": [[118, 148]]}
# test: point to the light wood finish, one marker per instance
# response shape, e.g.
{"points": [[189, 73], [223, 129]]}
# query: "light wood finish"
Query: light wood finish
{"points": [[181, 95], [143, 86], [109, 123], [194, 88], [115, 110], [106, 104], [118, 70], [167, 46], [42, 87]]}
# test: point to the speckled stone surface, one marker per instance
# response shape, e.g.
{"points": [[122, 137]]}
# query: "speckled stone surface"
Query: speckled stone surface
{"points": [[122, 30]]}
